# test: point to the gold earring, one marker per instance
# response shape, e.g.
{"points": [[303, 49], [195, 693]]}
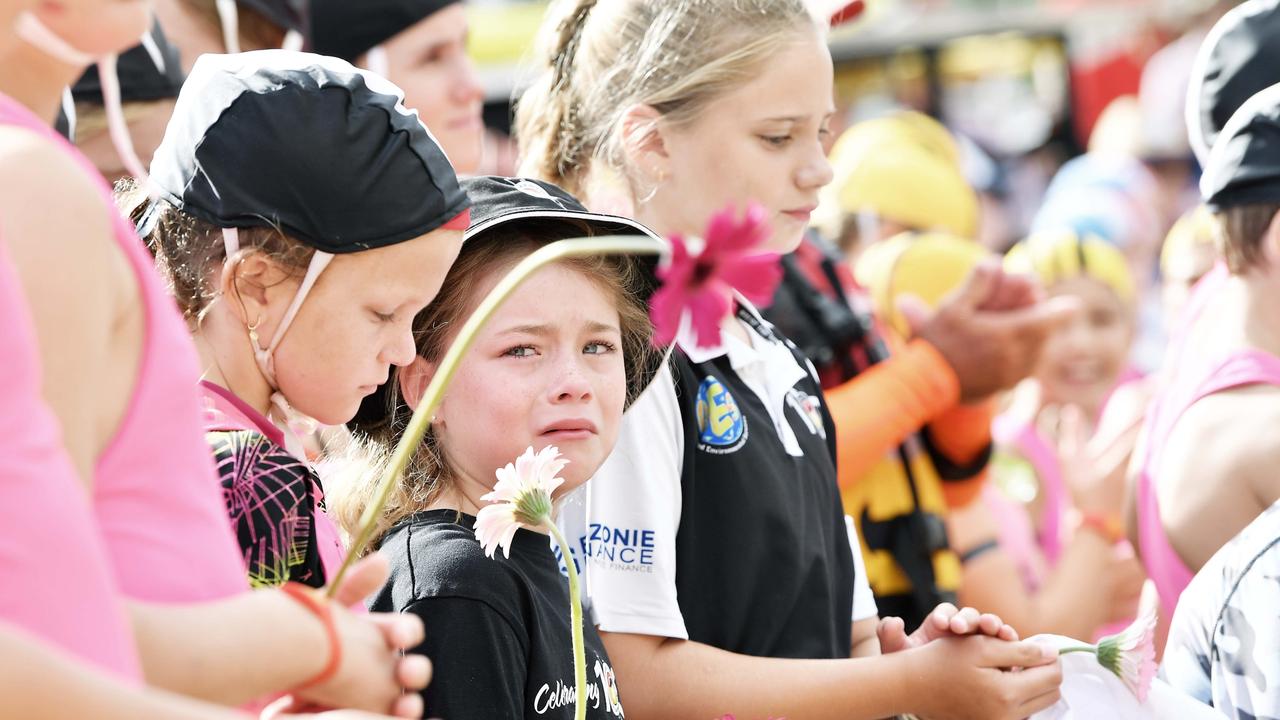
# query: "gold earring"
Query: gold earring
{"points": [[253, 331]]}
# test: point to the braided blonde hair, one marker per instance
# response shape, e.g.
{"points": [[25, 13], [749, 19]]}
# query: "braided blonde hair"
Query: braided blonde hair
{"points": [[600, 59]]}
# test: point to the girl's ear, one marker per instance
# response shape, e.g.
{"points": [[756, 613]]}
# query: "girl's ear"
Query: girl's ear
{"points": [[414, 379], [250, 280], [643, 142]]}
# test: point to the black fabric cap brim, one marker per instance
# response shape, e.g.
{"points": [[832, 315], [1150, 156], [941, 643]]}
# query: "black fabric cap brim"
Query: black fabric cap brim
{"points": [[1244, 167], [141, 80], [350, 28]]}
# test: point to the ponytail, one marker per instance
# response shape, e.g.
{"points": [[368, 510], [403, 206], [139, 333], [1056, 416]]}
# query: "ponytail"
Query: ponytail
{"points": [[548, 126]]}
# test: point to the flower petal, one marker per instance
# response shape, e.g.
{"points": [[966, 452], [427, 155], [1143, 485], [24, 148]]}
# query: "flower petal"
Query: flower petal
{"points": [[756, 276], [665, 309], [707, 309]]}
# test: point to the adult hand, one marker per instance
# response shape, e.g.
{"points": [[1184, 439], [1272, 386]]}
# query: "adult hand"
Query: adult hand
{"points": [[990, 330], [375, 675], [985, 678], [945, 621]]}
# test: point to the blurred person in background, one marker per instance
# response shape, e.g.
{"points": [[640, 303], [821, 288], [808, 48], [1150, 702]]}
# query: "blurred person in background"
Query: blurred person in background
{"points": [[926, 446], [197, 27], [1240, 57], [1189, 253], [1049, 521], [150, 77], [420, 45]]}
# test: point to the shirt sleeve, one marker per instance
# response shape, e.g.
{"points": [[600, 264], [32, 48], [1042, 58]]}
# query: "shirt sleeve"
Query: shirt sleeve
{"points": [[908, 390], [478, 661], [864, 603], [633, 513]]}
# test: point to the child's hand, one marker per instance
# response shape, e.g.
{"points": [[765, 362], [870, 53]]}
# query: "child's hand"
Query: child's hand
{"points": [[944, 621], [969, 678], [376, 674]]}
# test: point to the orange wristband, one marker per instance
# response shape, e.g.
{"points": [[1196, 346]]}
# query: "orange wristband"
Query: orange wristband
{"points": [[311, 600], [1108, 526]]}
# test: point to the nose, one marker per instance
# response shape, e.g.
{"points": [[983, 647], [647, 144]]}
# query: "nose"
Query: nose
{"points": [[466, 87], [814, 171], [1077, 336], [571, 383], [401, 350]]}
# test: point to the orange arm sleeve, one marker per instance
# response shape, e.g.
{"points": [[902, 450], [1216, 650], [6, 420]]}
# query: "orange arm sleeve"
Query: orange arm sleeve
{"points": [[962, 434], [877, 410]]}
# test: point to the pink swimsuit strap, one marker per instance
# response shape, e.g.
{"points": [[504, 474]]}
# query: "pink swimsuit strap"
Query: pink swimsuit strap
{"points": [[1163, 564], [1028, 442]]}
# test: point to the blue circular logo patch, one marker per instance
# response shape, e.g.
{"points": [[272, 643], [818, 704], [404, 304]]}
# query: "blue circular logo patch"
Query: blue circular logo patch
{"points": [[720, 422]]}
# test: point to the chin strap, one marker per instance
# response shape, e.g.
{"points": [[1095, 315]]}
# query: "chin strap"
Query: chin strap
{"points": [[30, 29], [295, 424]]}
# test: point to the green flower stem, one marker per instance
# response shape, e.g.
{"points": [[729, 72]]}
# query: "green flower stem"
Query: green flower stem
{"points": [[546, 255], [575, 619], [1085, 648]]}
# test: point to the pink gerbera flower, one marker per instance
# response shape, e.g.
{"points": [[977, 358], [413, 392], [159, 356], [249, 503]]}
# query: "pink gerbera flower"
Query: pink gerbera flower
{"points": [[522, 498], [1130, 654], [701, 281]]}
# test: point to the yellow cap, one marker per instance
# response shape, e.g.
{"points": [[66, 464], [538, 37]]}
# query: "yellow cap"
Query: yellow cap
{"points": [[903, 168], [1191, 245], [927, 265], [1053, 256]]}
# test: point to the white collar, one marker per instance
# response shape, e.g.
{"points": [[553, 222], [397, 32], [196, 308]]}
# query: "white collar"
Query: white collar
{"points": [[739, 352]]}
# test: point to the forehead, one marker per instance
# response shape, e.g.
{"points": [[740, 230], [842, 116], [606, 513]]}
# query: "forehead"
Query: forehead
{"points": [[794, 82], [560, 294], [1093, 292]]}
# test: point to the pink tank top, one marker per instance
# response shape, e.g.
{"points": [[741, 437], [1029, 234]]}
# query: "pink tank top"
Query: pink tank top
{"points": [[155, 495], [55, 578], [1194, 376], [1030, 445]]}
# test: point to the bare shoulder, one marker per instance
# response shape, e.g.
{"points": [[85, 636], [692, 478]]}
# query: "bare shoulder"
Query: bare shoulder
{"points": [[1231, 434], [56, 222], [45, 190]]}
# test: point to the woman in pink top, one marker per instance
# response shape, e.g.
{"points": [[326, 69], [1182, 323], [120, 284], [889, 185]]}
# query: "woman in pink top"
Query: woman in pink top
{"points": [[1050, 520], [74, 603], [1209, 459], [299, 282], [120, 376]]}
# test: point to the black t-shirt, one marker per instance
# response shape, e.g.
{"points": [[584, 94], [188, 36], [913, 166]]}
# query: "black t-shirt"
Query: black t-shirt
{"points": [[497, 630]]}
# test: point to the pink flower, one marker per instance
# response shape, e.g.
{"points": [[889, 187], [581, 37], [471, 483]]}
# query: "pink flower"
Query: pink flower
{"points": [[702, 283], [1131, 654], [522, 498]]}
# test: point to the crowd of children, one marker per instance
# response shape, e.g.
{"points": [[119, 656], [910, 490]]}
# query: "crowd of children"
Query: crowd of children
{"points": [[233, 257]]}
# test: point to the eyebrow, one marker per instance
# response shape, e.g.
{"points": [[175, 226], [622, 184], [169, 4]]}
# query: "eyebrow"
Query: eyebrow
{"points": [[543, 330], [798, 118]]}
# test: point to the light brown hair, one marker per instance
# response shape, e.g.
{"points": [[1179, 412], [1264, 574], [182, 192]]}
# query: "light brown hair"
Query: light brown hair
{"points": [[1243, 230], [190, 252]]}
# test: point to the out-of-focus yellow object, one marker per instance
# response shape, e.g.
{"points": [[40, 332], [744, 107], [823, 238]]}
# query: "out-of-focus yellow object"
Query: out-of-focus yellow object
{"points": [[903, 167], [927, 265], [502, 34], [1053, 256], [1191, 246]]}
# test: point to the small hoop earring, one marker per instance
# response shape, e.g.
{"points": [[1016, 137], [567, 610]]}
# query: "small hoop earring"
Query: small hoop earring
{"points": [[253, 330]]}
